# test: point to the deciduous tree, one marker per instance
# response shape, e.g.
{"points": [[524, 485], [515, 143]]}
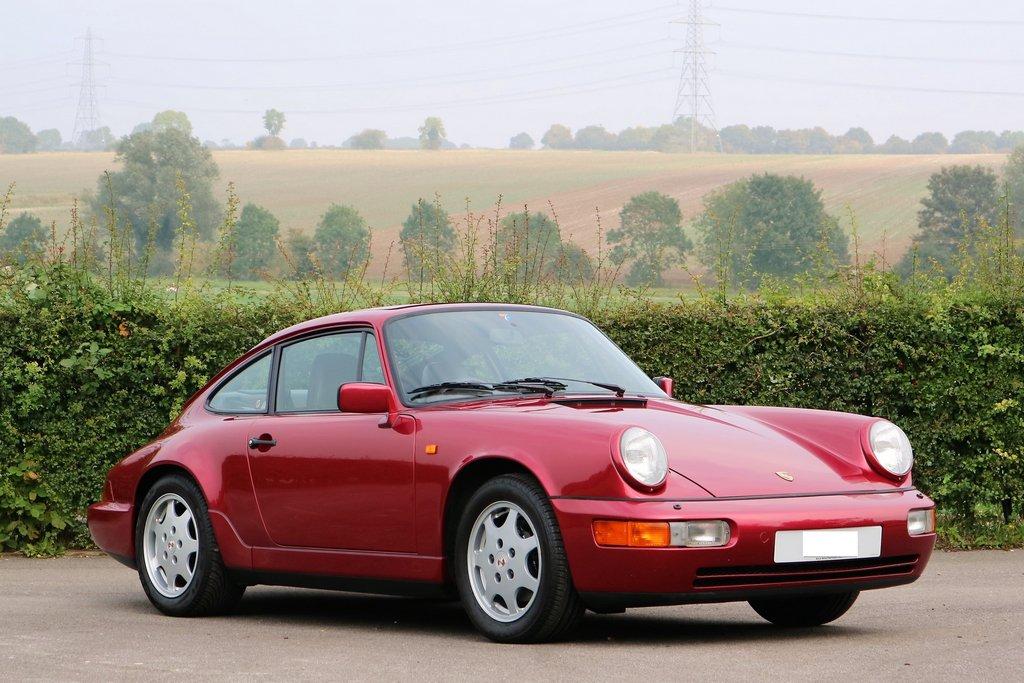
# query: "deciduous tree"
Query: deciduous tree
{"points": [[169, 119], [521, 141], [768, 225], [48, 140], [650, 236], [371, 138], [273, 122], [342, 240], [961, 199], [432, 133], [427, 236], [15, 136], [557, 137], [145, 191], [22, 238], [255, 240]]}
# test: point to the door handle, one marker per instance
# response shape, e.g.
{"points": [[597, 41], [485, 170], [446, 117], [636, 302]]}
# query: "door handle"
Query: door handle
{"points": [[257, 442]]}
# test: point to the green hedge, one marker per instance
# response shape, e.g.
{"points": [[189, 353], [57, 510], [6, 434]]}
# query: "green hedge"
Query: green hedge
{"points": [[87, 376]]}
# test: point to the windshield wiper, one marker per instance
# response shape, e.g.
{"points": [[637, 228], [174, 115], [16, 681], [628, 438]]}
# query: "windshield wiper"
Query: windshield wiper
{"points": [[540, 386], [482, 387], [442, 387], [558, 383]]}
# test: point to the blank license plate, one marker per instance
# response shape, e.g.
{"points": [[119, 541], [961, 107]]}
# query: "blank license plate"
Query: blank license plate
{"points": [[819, 545]]}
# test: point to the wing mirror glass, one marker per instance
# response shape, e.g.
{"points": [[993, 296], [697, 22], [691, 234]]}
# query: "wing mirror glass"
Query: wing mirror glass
{"points": [[363, 397], [665, 384]]}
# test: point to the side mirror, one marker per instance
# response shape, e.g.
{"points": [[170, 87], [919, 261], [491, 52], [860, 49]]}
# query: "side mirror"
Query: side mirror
{"points": [[665, 384], [363, 397]]}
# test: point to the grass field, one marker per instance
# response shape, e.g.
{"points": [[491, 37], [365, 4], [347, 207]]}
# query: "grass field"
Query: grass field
{"points": [[882, 192]]}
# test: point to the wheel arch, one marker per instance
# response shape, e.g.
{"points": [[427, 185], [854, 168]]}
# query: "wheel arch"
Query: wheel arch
{"points": [[154, 474], [467, 480], [234, 551]]}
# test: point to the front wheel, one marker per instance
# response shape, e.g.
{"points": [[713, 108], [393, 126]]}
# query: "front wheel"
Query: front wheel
{"points": [[511, 569], [813, 610], [179, 563]]}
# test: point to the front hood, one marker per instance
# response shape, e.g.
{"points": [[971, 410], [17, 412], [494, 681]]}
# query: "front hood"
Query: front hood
{"points": [[727, 453]]}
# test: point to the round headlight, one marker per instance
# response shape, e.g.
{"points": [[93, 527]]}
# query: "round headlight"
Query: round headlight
{"points": [[891, 448], [643, 457]]}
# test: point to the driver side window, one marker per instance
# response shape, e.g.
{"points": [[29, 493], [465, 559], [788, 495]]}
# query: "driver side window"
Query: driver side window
{"points": [[312, 370]]}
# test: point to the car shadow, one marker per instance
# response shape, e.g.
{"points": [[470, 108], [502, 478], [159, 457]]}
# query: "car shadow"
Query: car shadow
{"points": [[447, 619]]}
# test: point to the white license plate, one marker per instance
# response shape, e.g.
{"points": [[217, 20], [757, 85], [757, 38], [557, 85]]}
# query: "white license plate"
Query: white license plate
{"points": [[819, 545]]}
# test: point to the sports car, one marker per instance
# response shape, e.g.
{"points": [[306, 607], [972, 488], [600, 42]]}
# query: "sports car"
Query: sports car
{"points": [[515, 457]]}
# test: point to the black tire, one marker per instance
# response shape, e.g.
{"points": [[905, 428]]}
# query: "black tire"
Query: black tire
{"points": [[211, 590], [556, 608], [813, 610]]}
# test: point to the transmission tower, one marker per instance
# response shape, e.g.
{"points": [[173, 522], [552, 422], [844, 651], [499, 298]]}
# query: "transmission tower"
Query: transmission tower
{"points": [[693, 94], [87, 118]]}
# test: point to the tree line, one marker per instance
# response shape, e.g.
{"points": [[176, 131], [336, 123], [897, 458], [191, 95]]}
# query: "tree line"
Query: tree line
{"points": [[16, 137], [743, 139]]}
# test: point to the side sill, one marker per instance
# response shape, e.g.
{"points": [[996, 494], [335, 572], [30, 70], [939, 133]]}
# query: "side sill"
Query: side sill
{"points": [[349, 584]]}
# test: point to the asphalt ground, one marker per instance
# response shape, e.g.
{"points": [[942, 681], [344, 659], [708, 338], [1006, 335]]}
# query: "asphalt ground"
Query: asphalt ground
{"points": [[86, 618]]}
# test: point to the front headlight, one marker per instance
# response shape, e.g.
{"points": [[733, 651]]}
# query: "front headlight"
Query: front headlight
{"points": [[643, 458], [890, 448]]}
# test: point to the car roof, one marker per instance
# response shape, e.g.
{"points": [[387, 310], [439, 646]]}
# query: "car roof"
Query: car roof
{"points": [[378, 316]]}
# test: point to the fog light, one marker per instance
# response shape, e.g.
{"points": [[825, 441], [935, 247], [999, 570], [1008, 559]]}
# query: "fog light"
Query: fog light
{"points": [[706, 533], [921, 522]]}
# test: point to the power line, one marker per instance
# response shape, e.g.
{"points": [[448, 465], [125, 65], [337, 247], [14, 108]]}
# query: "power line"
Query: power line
{"points": [[36, 61], [871, 86], [485, 76], [626, 80], [578, 28], [87, 117], [891, 20], [693, 93], [869, 55], [33, 91]]}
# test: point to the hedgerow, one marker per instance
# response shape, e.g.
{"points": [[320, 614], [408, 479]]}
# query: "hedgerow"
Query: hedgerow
{"points": [[87, 374]]}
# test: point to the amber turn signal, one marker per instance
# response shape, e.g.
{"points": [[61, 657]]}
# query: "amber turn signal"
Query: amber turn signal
{"points": [[632, 534]]}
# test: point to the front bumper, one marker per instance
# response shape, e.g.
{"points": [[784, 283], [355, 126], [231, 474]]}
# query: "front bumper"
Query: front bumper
{"points": [[110, 525], [744, 568]]}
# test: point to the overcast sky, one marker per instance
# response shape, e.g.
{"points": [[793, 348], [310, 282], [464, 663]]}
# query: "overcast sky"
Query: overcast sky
{"points": [[491, 70]]}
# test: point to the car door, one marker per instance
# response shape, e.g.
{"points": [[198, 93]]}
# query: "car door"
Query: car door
{"points": [[327, 479]]}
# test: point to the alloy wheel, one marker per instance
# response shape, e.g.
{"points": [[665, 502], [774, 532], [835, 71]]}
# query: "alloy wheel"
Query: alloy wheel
{"points": [[504, 561], [170, 545]]}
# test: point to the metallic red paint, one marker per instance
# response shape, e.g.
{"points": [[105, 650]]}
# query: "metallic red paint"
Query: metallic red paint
{"points": [[340, 496], [362, 397]]}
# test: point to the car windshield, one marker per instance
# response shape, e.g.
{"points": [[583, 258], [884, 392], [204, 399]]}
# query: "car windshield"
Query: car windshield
{"points": [[447, 355]]}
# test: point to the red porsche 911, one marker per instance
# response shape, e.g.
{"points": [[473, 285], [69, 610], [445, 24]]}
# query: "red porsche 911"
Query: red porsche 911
{"points": [[515, 456]]}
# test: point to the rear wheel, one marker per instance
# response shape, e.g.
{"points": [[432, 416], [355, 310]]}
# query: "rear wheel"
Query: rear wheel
{"points": [[177, 556], [813, 610], [511, 569]]}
